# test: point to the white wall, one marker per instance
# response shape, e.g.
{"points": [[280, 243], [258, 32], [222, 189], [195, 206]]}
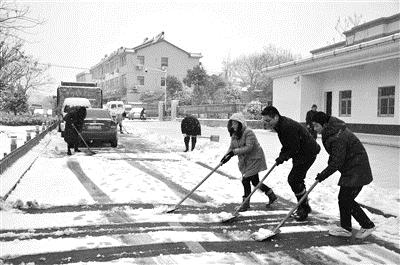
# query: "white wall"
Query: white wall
{"points": [[294, 99], [287, 96], [364, 81], [310, 94]]}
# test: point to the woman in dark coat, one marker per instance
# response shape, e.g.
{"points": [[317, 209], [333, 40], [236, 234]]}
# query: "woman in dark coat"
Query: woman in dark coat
{"points": [[348, 156], [74, 117], [190, 127]]}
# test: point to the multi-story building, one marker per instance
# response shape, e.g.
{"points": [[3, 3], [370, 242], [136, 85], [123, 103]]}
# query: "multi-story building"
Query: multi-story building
{"points": [[128, 72], [84, 77]]}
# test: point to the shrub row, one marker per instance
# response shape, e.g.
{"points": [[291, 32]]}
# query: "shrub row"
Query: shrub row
{"points": [[9, 119]]}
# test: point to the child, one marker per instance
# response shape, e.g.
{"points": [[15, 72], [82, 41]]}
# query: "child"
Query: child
{"points": [[251, 157]]}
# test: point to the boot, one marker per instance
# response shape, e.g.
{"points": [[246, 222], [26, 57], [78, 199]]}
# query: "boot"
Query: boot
{"points": [[244, 207], [186, 140], [303, 211], [194, 140], [271, 196], [69, 152]]}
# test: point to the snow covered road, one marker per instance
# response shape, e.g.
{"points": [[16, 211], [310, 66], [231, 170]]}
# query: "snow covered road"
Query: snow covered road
{"points": [[110, 207]]}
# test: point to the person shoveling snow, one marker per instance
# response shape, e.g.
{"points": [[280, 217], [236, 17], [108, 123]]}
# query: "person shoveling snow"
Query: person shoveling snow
{"points": [[251, 158]]}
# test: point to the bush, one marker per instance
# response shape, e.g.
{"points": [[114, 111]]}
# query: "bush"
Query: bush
{"points": [[9, 119], [253, 110]]}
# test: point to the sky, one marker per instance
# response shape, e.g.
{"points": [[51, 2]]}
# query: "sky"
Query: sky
{"points": [[79, 33], [112, 173]]}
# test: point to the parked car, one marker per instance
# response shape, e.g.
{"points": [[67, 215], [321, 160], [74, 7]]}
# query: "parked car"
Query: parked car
{"points": [[98, 126], [137, 113]]}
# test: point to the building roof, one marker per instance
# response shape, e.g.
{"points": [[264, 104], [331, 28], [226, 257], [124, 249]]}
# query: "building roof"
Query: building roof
{"points": [[365, 32], [147, 42], [343, 54], [160, 38]]}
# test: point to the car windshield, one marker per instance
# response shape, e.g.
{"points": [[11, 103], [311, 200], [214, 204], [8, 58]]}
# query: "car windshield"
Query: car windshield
{"points": [[97, 113]]}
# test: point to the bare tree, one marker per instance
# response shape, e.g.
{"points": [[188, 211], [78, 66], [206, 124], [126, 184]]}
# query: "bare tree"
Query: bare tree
{"points": [[344, 24], [250, 69], [19, 72]]}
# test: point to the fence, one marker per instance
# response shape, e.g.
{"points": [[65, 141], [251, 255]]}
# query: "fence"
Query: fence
{"points": [[14, 155], [211, 110]]}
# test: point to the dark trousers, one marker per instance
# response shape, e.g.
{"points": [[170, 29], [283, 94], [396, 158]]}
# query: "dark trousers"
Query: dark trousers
{"points": [[73, 145], [187, 139], [298, 174], [253, 180], [348, 207], [313, 132]]}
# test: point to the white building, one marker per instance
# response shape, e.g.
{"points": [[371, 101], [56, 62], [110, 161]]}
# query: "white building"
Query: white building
{"points": [[356, 80], [128, 72]]}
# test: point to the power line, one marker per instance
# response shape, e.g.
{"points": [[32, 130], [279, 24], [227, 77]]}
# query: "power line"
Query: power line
{"points": [[64, 66]]}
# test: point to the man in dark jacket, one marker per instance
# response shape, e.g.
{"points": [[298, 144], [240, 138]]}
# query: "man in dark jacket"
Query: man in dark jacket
{"points": [[309, 124], [300, 146], [348, 156], [74, 118], [190, 127]]}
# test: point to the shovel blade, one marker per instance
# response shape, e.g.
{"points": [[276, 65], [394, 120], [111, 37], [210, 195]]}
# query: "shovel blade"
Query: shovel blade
{"points": [[171, 210], [227, 217], [214, 138], [264, 234]]}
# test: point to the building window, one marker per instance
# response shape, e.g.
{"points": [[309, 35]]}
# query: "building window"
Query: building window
{"points": [[163, 81], [140, 60], [345, 103], [123, 81], [140, 80], [164, 61], [123, 60], [386, 101]]}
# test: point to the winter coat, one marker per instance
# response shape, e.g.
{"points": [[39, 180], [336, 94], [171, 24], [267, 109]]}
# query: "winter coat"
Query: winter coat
{"points": [[346, 154], [309, 116], [297, 142], [190, 125], [76, 117], [250, 154]]}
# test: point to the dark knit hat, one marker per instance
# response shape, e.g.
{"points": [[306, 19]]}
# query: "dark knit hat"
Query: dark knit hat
{"points": [[320, 117]]}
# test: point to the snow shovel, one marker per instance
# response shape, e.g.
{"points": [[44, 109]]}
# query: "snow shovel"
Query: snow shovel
{"points": [[264, 234], [190, 193], [213, 138], [87, 146], [228, 219]]}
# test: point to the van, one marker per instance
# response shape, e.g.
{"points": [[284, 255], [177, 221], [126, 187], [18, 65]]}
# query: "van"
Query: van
{"points": [[116, 109], [71, 102]]}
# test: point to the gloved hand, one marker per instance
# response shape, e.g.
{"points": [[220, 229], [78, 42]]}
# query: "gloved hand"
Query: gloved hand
{"points": [[320, 177], [279, 161], [227, 157]]}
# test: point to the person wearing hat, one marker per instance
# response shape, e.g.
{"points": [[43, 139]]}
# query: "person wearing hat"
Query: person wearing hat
{"points": [[348, 156], [309, 116], [251, 158], [300, 146]]}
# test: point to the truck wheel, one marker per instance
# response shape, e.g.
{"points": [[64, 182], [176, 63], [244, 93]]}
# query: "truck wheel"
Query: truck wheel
{"points": [[114, 143]]}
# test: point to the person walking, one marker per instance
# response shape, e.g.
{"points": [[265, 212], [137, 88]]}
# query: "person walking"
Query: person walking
{"points": [[300, 146], [309, 124], [348, 156], [190, 127], [251, 158], [74, 118]]}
